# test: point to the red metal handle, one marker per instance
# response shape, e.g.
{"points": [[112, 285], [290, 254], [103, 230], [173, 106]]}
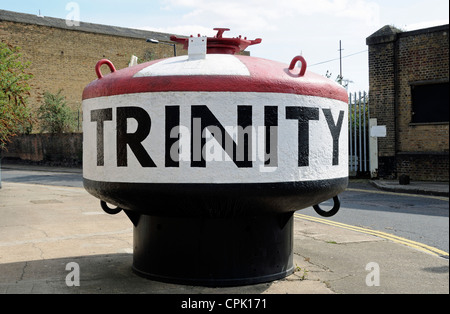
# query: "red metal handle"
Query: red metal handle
{"points": [[220, 31], [99, 65], [294, 62]]}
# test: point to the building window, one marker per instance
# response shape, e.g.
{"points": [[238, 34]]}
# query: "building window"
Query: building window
{"points": [[430, 102]]}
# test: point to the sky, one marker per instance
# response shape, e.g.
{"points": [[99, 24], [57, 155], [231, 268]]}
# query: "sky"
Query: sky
{"points": [[288, 28]]}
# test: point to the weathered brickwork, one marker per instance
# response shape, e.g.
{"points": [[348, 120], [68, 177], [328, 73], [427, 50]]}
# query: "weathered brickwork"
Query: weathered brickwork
{"points": [[64, 57], [427, 167], [396, 61], [60, 149], [382, 89]]}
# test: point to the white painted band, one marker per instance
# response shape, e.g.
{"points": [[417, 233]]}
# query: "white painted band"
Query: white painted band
{"points": [[219, 167], [213, 64]]}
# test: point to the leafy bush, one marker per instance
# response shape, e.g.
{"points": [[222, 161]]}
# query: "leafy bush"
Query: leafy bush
{"points": [[15, 116], [55, 115]]}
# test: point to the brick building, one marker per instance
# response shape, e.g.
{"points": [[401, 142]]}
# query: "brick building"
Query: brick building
{"points": [[409, 93], [64, 57]]}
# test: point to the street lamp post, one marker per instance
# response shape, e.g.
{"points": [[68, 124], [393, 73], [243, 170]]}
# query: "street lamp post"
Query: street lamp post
{"points": [[154, 41]]}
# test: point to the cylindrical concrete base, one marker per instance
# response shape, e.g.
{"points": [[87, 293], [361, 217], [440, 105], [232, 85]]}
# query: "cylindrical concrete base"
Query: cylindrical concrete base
{"points": [[214, 251]]}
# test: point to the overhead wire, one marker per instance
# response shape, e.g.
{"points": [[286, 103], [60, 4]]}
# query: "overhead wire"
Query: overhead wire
{"points": [[350, 55]]}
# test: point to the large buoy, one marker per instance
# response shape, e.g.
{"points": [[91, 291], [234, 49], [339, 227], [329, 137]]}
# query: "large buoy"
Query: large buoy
{"points": [[210, 154]]}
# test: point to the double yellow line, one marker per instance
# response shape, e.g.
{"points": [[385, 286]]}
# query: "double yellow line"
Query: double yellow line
{"points": [[384, 235]]}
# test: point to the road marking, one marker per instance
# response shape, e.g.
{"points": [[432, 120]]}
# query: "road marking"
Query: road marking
{"points": [[441, 198], [420, 246]]}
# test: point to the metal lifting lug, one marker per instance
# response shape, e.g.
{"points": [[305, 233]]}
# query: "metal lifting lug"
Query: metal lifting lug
{"points": [[109, 210], [331, 212]]}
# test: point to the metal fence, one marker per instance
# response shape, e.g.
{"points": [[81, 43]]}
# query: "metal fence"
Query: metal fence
{"points": [[358, 129]]}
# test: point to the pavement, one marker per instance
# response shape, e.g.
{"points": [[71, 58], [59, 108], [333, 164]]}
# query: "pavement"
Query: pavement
{"points": [[415, 187], [51, 234]]}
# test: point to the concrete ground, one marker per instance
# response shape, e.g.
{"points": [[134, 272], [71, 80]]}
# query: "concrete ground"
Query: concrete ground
{"points": [[45, 229]]}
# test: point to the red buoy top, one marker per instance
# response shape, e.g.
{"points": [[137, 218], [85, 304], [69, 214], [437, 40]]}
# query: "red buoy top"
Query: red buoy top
{"points": [[222, 70]]}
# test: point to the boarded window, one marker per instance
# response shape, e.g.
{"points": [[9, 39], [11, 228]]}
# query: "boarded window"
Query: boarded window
{"points": [[430, 102]]}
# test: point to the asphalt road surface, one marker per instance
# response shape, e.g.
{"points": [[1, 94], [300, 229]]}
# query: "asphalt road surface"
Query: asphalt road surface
{"points": [[62, 177], [420, 218]]}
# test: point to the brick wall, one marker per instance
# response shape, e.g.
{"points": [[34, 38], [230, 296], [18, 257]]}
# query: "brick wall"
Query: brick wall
{"points": [[396, 60], [423, 166], [423, 56], [383, 90], [50, 149], [382, 77], [64, 57]]}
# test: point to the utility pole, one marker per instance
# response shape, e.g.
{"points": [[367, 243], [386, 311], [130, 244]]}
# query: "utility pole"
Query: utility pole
{"points": [[340, 61]]}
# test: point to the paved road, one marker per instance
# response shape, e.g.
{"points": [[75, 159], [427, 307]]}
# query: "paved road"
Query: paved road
{"points": [[420, 218], [59, 177], [46, 228]]}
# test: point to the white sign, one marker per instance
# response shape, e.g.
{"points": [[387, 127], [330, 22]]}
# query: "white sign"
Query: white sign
{"points": [[378, 131], [197, 48]]}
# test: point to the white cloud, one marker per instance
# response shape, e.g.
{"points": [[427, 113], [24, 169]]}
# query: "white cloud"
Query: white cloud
{"points": [[287, 27], [185, 30], [266, 14]]}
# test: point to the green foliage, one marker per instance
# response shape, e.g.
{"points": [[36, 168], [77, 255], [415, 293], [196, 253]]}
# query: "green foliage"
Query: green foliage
{"points": [[148, 56], [358, 111], [339, 79], [55, 115], [15, 116]]}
